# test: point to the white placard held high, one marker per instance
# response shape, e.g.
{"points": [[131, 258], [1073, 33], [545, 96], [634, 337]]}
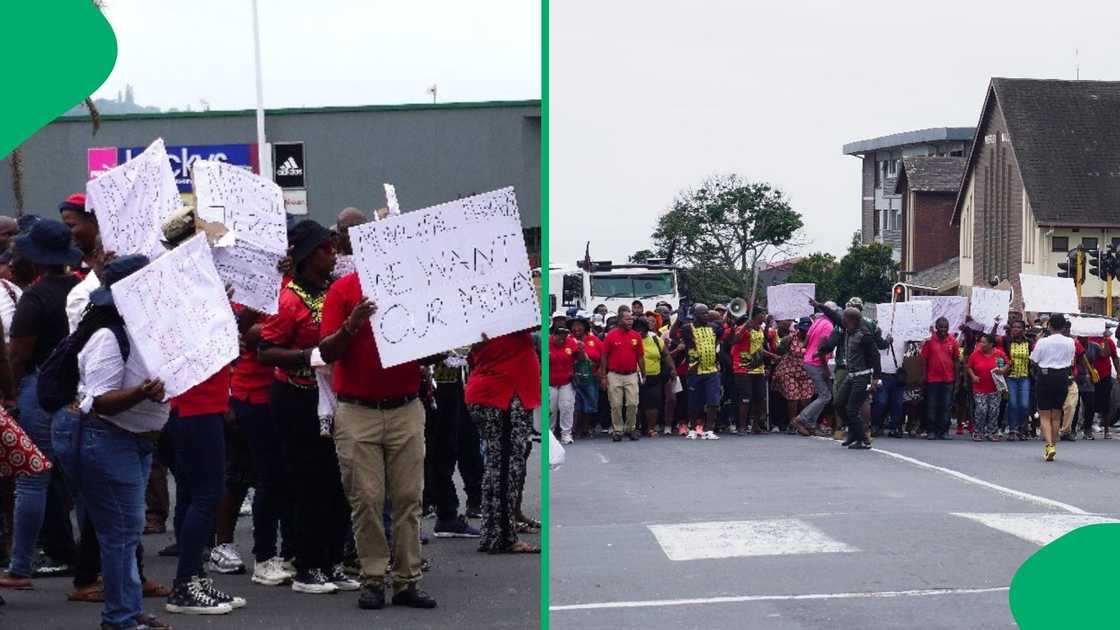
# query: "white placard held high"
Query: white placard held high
{"points": [[987, 304], [391, 200], [951, 307], [1087, 326], [444, 275], [249, 205], [1048, 294], [178, 316], [132, 200], [252, 273], [904, 321], [790, 301]]}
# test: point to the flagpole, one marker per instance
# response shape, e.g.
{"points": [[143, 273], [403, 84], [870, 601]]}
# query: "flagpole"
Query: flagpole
{"points": [[264, 155]]}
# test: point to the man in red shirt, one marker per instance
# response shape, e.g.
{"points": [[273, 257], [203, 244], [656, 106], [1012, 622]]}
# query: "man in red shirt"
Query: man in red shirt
{"points": [[1102, 391], [620, 365], [942, 355], [379, 435]]}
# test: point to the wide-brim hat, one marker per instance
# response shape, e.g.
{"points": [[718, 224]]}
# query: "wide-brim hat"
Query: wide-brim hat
{"points": [[117, 269], [805, 323], [304, 238], [48, 243]]}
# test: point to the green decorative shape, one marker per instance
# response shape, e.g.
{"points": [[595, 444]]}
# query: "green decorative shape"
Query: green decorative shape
{"points": [[59, 53], [1087, 559]]}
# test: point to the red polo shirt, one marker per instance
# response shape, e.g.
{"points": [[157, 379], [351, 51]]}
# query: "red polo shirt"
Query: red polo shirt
{"points": [[593, 348], [358, 372], [1103, 362], [503, 367], [561, 360], [939, 356], [623, 349], [208, 397], [293, 327]]}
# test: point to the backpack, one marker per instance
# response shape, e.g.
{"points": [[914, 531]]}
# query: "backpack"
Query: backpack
{"points": [[58, 376]]}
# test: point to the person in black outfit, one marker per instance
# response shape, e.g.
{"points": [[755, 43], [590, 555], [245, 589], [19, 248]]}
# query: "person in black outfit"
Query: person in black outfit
{"points": [[862, 356]]}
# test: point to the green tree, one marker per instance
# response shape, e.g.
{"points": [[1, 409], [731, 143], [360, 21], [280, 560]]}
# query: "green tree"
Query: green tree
{"points": [[722, 230], [642, 255], [866, 271], [818, 268]]}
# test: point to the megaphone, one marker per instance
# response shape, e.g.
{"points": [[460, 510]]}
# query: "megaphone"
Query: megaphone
{"points": [[737, 308]]}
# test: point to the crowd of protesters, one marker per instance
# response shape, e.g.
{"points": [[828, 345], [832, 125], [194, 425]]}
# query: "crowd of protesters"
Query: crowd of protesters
{"points": [[701, 372], [344, 456]]}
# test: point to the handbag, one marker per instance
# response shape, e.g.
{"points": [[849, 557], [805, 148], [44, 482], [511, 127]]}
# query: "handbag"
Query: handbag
{"points": [[677, 387], [18, 454]]}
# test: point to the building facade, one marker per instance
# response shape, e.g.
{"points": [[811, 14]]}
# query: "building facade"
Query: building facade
{"points": [[880, 205], [928, 187]]}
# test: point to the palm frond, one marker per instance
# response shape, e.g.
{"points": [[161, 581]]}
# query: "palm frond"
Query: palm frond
{"points": [[15, 162]]}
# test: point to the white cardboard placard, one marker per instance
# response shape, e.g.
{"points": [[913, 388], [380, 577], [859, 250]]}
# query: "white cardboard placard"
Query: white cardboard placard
{"points": [[951, 307], [791, 300], [1048, 294], [248, 205], [987, 304], [904, 321]]}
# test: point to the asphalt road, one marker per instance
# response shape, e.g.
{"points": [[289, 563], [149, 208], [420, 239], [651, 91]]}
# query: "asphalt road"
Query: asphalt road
{"points": [[473, 590], [786, 532]]}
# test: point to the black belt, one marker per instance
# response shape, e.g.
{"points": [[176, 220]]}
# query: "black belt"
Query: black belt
{"points": [[383, 404], [1063, 370], [622, 373]]}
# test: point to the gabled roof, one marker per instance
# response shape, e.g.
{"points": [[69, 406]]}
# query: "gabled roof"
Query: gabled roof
{"points": [[1066, 139], [944, 276], [905, 138], [930, 174]]}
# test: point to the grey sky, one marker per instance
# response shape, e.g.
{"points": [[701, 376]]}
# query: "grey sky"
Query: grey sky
{"points": [[326, 52], [647, 98]]}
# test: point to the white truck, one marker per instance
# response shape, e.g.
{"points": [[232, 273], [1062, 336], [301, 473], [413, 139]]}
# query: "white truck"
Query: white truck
{"points": [[612, 285]]}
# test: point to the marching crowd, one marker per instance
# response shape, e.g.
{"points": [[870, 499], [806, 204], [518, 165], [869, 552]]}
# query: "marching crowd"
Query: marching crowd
{"points": [[344, 456], [702, 372]]}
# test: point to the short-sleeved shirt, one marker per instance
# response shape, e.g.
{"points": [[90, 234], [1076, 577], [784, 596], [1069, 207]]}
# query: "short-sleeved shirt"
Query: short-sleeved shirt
{"points": [[651, 353], [702, 343], [1103, 363], [819, 332], [561, 360], [593, 348], [982, 366], [746, 356], [295, 326], [1020, 358], [1054, 352], [623, 349], [939, 355], [358, 373], [41, 313], [502, 368], [101, 370]]}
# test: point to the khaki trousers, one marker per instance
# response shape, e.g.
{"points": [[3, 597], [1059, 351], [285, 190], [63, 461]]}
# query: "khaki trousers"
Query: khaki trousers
{"points": [[622, 393], [381, 455], [1069, 407]]}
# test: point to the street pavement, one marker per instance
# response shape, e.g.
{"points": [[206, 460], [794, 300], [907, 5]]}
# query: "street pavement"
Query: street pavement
{"points": [[473, 590], [785, 532]]}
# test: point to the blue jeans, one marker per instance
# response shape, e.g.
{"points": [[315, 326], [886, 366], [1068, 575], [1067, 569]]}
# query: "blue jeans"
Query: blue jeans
{"points": [[113, 476], [1018, 402], [939, 402], [888, 399], [587, 394], [31, 490], [199, 445]]}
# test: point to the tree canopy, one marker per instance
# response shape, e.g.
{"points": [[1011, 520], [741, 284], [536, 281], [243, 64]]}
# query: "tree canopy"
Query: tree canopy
{"points": [[866, 271]]}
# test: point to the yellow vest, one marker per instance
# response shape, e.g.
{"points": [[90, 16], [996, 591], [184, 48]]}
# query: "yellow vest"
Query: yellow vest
{"points": [[651, 352]]}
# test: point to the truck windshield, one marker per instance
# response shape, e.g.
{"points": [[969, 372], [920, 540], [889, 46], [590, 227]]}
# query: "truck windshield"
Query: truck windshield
{"points": [[637, 286]]}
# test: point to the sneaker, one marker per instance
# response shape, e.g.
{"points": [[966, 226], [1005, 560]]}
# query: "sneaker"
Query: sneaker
{"points": [[344, 582], [682, 430], [668, 430], [271, 573], [289, 566], [457, 527], [190, 597], [616, 437], [224, 559], [314, 582], [859, 446], [371, 598], [46, 567], [247, 504], [170, 551], [734, 430], [691, 435], [566, 438], [234, 602], [150, 622], [413, 597], [430, 512], [474, 511], [635, 436], [1049, 452], [709, 435]]}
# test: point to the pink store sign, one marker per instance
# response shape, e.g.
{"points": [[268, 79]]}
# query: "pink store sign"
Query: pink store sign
{"points": [[100, 159]]}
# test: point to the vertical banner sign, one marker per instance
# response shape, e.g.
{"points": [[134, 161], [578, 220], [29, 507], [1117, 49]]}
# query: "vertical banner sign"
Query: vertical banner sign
{"points": [[443, 276], [288, 167]]}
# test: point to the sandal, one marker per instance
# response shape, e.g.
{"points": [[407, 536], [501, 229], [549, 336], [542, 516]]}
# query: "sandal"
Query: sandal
{"points": [[155, 589], [976, 437], [527, 528], [996, 437], [521, 518], [92, 594], [517, 548]]}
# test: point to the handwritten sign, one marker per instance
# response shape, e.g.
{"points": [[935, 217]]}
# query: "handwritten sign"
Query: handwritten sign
{"points": [[1087, 326], [790, 301], [1048, 294], [132, 200], [248, 205], [988, 304], [443, 276], [951, 307], [391, 199], [904, 321], [252, 273], [178, 316]]}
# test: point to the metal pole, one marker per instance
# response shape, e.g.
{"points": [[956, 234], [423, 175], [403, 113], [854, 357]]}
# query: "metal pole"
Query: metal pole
{"points": [[264, 155]]}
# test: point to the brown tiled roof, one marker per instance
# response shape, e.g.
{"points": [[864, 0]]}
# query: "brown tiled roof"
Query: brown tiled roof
{"points": [[931, 174], [944, 276]]}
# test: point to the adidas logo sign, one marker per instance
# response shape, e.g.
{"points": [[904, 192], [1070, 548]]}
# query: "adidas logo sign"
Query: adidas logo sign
{"points": [[289, 168]]}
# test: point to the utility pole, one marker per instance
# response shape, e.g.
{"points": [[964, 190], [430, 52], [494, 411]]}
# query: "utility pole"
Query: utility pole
{"points": [[264, 153]]}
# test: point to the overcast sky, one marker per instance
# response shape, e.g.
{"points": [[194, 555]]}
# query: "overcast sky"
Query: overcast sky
{"points": [[325, 52], [647, 98]]}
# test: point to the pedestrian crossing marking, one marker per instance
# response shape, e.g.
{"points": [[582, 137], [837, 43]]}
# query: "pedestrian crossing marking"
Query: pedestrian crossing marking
{"points": [[736, 539], [1038, 528]]}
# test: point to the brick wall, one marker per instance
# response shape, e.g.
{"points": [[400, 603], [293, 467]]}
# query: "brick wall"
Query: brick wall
{"points": [[998, 205], [935, 241], [867, 206]]}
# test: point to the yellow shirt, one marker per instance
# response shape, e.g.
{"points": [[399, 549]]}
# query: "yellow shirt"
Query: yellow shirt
{"points": [[703, 356], [651, 347]]}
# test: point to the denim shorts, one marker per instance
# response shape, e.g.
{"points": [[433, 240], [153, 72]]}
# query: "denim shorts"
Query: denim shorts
{"points": [[703, 391]]}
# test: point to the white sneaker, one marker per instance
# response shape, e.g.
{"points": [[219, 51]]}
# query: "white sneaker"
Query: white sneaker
{"points": [[289, 566], [691, 434], [710, 435], [566, 438], [734, 428], [314, 582], [344, 582], [270, 573], [225, 559], [668, 430], [247, 504]]}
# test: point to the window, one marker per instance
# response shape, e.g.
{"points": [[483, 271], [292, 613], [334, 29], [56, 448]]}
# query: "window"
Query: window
{"points": [[572, 289], [1116, 242], [957, 153], [638, 286], [1089, 242], [1059, 243]]}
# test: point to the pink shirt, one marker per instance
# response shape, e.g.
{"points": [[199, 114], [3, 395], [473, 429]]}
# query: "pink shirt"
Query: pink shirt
{"points": [[818, 333]]}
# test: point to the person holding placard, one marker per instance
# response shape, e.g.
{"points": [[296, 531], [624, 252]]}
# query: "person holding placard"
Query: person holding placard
{"points": [[1054, 356], [983, 361]]}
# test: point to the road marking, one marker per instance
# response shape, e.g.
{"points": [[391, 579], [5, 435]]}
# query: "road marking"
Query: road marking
{"points": [[736, 539], [1017, 494], [777, 598], [1040, 529], [602, 458]]}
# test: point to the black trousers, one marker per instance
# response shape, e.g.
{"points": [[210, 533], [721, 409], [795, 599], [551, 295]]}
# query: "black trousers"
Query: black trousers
{"points": [[452, 438], [272, 509], [320, 508], [853, 393]]}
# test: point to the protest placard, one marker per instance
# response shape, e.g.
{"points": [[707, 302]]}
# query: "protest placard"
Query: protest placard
{"points": [[903, 321], [178, 316], [443, 276], [252, 273], [132, 200], [1087, 326], [951, 307], [986, 305], [790, 301], [1048, 294]]}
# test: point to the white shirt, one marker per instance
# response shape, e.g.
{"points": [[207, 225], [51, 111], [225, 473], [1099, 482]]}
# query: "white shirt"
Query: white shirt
{"points": [[1053, 352], [100, 370], [9, 297], [78, 299]]}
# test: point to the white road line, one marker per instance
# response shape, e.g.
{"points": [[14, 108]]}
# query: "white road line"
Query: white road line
{"points": [[603, 458], [1040, 529], [738, 539], [1017, 494], [776, 598]]}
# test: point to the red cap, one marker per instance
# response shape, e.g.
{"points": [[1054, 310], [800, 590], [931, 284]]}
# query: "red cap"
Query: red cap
{"points": [[76, 202]]}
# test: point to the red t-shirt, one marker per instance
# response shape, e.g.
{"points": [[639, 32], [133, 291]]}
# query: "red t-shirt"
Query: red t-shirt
{"points": [[503, 367], [1103, 363], [295, 327], [939, 356], [593, 348], [208, 397], [561, 360], [982, 366], [358, 372], [250, 380], [623, 349]]}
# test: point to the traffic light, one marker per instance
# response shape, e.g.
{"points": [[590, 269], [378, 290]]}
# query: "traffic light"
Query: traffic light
{"points": [[1095, 267], [899, 293], [1068, 269]]}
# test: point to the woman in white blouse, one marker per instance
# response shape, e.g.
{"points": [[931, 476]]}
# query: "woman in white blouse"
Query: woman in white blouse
{"points": [[1053, 355]]}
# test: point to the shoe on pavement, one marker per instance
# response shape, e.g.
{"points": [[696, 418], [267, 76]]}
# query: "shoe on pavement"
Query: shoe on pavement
{"points": [[668, 430], [691, 435], [848, 442], [413, 597], [150, 622], [682, 430], [1049, 452], [190, 597], [213, 591], [154, 527], [710, 435], [154, 589], [859, 446], [170, 551], [224, 559], [314, 582], [635, 436], [734, 430], [271, 573], [566, 438], [457, 527], [371, 598], [7, 580], [474, 511], [344, 582], [616, 437]]}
